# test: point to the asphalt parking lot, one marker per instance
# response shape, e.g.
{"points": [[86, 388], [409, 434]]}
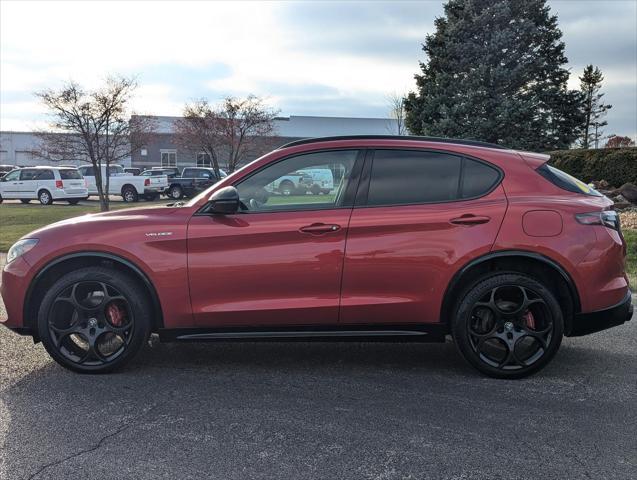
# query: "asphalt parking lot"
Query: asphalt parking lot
{"points": [[303, 410]]}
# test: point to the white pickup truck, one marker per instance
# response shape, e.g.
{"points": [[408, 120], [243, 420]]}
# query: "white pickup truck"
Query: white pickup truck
{"points": [[129, 186]]}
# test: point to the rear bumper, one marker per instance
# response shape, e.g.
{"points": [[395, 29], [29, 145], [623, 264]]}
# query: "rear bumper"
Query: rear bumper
{"points": [[586, 323]]}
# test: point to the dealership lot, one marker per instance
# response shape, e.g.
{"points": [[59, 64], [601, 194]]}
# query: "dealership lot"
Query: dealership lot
{"points": [[303, 410]]}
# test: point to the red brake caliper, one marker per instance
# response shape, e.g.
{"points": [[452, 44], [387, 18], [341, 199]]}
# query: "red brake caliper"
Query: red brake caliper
{"points": [[529, 320], [115, 314]]}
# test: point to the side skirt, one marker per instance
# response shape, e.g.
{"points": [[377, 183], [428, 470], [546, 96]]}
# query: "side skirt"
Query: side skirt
{"points": [[344, 333]]}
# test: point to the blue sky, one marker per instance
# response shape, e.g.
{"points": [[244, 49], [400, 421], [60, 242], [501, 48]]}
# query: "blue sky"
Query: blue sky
{"points": [[305, 58]]}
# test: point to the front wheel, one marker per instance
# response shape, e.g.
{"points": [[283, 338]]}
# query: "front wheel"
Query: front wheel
{"points": [[94, 320], [508, 325]]}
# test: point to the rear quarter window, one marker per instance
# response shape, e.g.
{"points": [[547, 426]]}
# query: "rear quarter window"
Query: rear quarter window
{"points": [[565, 181], [70, 174]]}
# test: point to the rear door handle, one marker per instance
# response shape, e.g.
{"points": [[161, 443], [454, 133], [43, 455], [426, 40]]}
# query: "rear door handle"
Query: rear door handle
{"points": [[470, 219], [319, 228]]}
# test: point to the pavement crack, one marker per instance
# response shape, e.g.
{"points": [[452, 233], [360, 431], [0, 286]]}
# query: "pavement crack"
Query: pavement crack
{"points": [[97, 445]]}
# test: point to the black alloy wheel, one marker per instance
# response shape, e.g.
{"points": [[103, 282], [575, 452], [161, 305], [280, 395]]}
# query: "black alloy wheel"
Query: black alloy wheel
{"points": [[94, 319], [508, 326]]}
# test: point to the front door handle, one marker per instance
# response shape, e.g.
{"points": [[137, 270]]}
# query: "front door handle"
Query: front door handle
{"points": [[470, 219], [319, 228]]}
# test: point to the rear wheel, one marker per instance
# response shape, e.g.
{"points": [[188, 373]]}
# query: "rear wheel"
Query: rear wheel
{"points": [[176, 192], [45, 197], [508, 325], [286, 188], [94, 320], [129, 194], [25, 200]]}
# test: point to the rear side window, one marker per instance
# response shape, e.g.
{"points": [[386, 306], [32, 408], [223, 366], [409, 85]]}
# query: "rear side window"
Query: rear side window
{"points": [[88, 171], [45, 175], [477, 178], [405, 177], [70, 174], [565, 181]]}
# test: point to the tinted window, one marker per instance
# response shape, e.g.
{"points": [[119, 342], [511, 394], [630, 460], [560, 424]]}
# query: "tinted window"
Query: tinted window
{"points": [[404, 177], [28, 174], [115, 170], [70, 174], [477, 178], [87, 171], [565, 181], [45, 175]]}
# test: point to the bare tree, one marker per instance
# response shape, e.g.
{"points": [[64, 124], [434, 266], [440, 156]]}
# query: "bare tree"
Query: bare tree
{"points": [[227, 131], [397, 113], [93, 126]]}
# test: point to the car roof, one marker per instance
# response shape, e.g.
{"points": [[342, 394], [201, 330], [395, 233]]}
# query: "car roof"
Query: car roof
{"points": [[456, 141], [49, 167]]}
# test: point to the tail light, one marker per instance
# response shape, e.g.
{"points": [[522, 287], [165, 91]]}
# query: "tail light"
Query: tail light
{"points": [[607, 218], [147, 182], [59, 184]]}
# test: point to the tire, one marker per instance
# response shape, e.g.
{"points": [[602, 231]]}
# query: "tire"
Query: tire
{"points": [[73, 201], [315, 190], [129, 194], [25, 200], [286, 188], [76, 326], [175, 192], [45, 197], [508, 325]]}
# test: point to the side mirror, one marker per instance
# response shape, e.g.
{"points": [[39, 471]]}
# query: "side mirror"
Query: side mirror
{"points": [[224, 201]]}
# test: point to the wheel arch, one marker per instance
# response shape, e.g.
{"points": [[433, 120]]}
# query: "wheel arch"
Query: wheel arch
{"points": [[535, 264], [126, 186], [66, 263]]}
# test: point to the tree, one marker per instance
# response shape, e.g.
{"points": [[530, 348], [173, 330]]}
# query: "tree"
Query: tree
{"points": [[618, 141], [93, 126], [590, 85], [397, 114], [229, 130], [495, 72]]}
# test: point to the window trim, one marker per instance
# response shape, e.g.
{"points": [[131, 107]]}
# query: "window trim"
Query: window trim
{"points": [[348, 197], [197, 160], [363, 193]]}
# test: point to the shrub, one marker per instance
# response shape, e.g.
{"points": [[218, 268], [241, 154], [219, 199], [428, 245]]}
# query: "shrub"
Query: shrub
{"points": [[615, 165]]}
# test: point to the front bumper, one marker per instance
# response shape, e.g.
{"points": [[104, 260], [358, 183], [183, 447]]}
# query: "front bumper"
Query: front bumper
{"points": [[586, 323]]}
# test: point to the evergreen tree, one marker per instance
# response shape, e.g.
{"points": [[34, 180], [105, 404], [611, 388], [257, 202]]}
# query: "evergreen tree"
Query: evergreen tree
{"points": [[590, 85], [495, 72]]}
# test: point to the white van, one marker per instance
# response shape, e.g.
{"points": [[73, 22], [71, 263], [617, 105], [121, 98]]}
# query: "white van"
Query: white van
{"points": [[46, 184], [129, 186], [322, 180]]}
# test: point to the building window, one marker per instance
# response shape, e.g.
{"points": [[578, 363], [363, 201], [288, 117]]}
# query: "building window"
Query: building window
{"points": [[144, 152], [203, 160], [169, 158]]}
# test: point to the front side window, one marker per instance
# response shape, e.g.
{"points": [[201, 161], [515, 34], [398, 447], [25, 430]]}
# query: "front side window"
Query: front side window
{"points": [[169, 158], [12, 176], [287, 185]]}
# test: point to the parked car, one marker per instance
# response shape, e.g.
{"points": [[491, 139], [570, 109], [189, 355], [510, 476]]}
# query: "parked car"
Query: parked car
{"points": [[4, 169], [46, 184], [133, 171], [191, 182], [321, 180], [130, 187], [424, 238], [294, 183]]}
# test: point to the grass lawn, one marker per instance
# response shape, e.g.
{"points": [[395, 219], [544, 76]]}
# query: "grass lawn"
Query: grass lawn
{"points": [[17, 220], [631, 258]]}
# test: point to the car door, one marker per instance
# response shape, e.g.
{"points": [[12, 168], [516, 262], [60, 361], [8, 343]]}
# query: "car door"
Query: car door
{"points": [[28, 182], [279, 260], [43, 179], [419, 217], [10, 185]]}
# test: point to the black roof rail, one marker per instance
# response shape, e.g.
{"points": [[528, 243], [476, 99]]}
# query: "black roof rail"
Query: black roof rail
{"points": [[458, 141]]}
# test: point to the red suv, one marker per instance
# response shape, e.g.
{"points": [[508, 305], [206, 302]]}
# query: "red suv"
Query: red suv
{"points": [[419, 238]]}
